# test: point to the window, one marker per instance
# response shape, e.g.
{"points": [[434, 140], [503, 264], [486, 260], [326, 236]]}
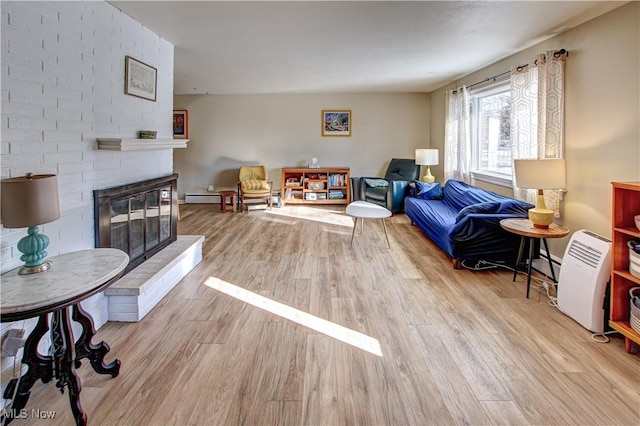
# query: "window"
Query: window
{"points": [[491, 134]]}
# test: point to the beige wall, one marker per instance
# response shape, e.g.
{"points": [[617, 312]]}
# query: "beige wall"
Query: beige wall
{"points": [[602, 114], [227, 131]]}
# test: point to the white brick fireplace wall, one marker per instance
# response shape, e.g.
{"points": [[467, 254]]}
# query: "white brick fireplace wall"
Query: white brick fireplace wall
{"points": [[62, 87]]}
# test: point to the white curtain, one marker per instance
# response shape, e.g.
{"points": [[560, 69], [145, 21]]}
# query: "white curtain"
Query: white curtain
{"points": [[457, 142], [537, 116]]}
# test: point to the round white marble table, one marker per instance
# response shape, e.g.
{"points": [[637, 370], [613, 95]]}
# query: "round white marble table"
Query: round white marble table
{"points": [[57, 293], [366, 210]]}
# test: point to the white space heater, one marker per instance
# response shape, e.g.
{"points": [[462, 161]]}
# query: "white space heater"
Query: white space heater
{"points": [[585, 271]]}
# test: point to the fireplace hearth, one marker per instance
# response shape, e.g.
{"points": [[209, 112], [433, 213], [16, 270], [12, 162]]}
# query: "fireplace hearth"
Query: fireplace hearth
{"points": [[140, 218]]}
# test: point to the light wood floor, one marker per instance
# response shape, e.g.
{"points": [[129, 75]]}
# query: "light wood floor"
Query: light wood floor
{"points": [[458, 346]]}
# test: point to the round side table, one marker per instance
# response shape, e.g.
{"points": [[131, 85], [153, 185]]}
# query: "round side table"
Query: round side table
{"points": [[526, 230]]}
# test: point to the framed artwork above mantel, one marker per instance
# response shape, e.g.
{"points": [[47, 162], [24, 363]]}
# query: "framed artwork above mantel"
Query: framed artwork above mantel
{"points": [[140, 79]]}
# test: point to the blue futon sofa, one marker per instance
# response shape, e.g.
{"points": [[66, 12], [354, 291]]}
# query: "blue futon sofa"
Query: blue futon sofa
{"points": [[464, 220]]}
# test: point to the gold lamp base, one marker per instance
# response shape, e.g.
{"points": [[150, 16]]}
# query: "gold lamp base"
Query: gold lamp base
{"points": [[540, 215], [541, 218], [428, 178], [28, 270]]}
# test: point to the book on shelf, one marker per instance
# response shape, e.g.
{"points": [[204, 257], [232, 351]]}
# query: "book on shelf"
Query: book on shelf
{"points": [[337, 179], [336, 194]]}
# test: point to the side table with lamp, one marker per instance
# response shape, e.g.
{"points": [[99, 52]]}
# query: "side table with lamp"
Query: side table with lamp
{"points": [[52, 289], [540, 174]]}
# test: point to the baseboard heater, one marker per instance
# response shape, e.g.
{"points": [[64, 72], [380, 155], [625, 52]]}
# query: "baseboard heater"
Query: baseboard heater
{"points": [[585, 271]]}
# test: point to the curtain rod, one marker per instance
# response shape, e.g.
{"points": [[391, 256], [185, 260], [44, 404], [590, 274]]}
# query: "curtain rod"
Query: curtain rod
{"points": [[556, 54], [494, 77]]}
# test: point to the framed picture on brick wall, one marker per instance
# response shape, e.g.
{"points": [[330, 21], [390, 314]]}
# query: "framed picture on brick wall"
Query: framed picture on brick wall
{"points": [[140, 79], [180, 124]]}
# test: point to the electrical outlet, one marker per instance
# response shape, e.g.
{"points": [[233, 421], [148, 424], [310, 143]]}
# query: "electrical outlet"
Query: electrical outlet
{"points": [[13, 341]]}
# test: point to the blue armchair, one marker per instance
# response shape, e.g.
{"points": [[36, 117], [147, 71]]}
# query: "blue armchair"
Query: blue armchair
{"points": [[389, 192]]}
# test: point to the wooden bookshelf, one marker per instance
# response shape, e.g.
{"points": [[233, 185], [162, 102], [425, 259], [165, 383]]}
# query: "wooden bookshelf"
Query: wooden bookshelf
{"points": [[625, 204], [326, 185]]}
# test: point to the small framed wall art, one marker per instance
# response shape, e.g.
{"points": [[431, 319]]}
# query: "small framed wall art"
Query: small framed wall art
{"points": [[336, 122], [180, 124], [140, 79]]}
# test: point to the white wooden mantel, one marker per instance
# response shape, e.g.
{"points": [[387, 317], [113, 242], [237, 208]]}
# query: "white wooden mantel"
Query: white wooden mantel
{"points": [[122, 144]]}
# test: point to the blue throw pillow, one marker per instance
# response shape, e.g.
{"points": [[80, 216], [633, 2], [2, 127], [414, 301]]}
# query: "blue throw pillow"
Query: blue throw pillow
{"points": [[376, 183], [428, 191], [479, 208], [515, 207]]}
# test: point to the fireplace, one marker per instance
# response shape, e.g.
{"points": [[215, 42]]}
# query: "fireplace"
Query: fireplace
{"points": [[139, 218]]}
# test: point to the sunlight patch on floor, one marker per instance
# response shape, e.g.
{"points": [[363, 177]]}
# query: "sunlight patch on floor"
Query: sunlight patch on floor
{"points": [[333, 217], [331, 329]]}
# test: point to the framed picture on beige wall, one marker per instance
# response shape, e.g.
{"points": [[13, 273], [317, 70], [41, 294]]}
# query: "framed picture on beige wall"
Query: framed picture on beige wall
{"points": [[140, 79], [180, 124], [336, 122]]}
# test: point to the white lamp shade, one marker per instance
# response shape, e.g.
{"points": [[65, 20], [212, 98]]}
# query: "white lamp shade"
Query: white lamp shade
{"points": [[547, 173], [29, 200], [427, 157]]}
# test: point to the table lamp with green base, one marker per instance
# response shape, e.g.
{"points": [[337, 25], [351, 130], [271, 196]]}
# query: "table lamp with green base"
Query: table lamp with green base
{"points": [[29, 201]]}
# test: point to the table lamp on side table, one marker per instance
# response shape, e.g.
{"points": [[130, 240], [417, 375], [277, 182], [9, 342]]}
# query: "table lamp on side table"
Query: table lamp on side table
{"points": [[427, 157], [544, 173], [29, 201]]}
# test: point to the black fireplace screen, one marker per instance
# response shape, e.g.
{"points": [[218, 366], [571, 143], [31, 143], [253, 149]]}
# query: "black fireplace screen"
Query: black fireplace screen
{"points": [[139, 218]]}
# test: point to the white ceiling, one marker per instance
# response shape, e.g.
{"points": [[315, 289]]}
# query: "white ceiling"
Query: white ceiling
{"points": [[341, 46]]}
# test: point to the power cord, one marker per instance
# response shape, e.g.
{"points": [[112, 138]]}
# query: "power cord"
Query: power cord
{"points": [[553, 301], [602, 337], [478, 266], [492, 265]]}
